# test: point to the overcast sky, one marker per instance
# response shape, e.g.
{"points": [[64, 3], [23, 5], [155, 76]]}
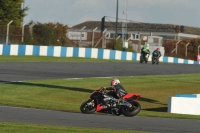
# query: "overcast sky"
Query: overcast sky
{"points": [[72, 12]]}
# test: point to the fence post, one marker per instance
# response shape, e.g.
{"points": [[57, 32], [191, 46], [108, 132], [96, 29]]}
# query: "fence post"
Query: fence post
{"points": [[103, 37], [93, 36], [8, 31], [81, 35], [23, 32], [186, 50], [31, 30], [176, 46]]}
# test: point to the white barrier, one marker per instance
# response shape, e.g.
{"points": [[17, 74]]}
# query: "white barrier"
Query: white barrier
{"points": [[98, 53], [184, 104]]}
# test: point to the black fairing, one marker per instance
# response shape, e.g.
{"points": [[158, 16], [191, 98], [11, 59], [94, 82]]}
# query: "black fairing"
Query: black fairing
{"points": [[111, 93], [97, 96]]}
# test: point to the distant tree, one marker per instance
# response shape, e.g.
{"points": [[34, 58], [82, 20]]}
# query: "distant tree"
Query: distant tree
{"points": [[50, 34], [130, 49], [118, 44], [110, 44], [192, 49], [12, 10]]}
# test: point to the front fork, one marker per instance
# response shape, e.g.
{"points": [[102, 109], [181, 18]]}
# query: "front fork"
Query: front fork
{"points": [[91, 103]]}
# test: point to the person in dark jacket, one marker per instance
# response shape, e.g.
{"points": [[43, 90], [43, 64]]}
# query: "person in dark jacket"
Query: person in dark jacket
{"points": [[156, 53], [117, 88], [117, 91]]}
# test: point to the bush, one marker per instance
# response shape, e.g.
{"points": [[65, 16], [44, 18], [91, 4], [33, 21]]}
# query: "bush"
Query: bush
{"points": [[192, 49]]}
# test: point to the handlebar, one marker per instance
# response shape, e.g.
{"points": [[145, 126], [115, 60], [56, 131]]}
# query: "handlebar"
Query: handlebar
{"points": [[100, 90]]}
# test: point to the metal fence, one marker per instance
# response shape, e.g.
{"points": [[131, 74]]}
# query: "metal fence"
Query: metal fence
{"points": [[34, 35], [13, 34]]}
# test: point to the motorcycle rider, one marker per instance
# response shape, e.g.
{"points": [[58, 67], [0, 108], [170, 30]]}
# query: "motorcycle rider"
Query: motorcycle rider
{"points": [[117, 88], [118, 92], [156, 53], [145, 50]]}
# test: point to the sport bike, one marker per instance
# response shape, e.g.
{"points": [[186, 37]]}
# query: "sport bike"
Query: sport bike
{"points": [[144, 58], [128, 105], [155, 60]]}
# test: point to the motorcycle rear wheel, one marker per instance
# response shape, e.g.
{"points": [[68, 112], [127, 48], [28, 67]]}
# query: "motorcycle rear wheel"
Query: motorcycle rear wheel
{"points": [[141, 59], [131, 111], [157, 61], [86, 108], [153, 61]]}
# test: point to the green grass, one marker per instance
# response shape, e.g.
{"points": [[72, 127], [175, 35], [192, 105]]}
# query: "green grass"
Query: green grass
{"points": [[51, 59], [68, 94], [26, 128]]}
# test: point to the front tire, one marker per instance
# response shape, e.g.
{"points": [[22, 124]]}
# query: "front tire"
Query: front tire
{"points": [[131, 111], [87, 107]]}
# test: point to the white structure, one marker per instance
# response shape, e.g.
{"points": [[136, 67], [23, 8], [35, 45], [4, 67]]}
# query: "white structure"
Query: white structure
{"points": [[154, 43], [184, 104]]}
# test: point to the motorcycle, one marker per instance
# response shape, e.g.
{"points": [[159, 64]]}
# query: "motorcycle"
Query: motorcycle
{"points": [[128, 105], [144, 58], [155, 58]]}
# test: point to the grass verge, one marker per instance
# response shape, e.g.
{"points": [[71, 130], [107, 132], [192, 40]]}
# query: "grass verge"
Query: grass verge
{"points": [[26, 128], [51, 59], [68, 94]]}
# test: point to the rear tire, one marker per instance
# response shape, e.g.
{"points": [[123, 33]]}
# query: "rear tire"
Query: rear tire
{"points": [[131, 111], [141, 58], [157, 61], [87, 108], [146, 59], [153, 61]]}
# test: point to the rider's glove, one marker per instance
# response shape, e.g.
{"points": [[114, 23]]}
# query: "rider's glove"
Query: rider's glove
{"points": [[103, 88]]}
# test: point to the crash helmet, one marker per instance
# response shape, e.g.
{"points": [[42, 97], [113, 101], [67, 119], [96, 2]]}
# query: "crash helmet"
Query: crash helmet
{"points": [[114, 82], [158, 49]]}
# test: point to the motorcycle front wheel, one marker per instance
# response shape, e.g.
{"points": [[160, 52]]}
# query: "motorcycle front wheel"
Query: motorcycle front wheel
{"points": [[131, 111], [87, 107]]}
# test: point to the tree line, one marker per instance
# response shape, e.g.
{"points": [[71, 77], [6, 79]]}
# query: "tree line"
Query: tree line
{"points": [[55, 33], [186, 49], [33, 32]]}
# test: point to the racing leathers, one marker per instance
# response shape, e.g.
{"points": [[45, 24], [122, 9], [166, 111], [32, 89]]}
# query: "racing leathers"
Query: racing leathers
{"points": [[156, 53], [118, 91], [144, 51]]}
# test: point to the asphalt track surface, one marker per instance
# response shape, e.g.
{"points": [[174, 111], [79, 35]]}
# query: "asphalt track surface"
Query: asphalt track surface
{"points": [[12, 72]]}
